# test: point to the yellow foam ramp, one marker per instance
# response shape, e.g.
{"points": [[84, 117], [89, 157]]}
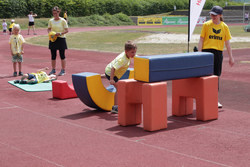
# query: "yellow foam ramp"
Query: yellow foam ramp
{"points": [[91, 92]]}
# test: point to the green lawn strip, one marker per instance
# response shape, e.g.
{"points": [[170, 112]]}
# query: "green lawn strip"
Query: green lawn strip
{"points": [[113, 40]]}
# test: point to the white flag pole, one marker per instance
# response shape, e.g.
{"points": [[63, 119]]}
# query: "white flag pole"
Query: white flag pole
{"points": [[195, 8], [189, 24]]}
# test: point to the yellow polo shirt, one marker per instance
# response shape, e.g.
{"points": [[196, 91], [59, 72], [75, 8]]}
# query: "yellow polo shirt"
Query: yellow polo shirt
{"points": [[16, 42], [65, 16], [11, 25], [58, 25], [120, 63], [215, 35], [41, 76]]}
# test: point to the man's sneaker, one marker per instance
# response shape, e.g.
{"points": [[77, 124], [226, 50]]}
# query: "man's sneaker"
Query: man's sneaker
{"points": [[53, 71], [114, 109], [219, 105], [15, 74], [16, 81], [62, 72], [20, 73]]}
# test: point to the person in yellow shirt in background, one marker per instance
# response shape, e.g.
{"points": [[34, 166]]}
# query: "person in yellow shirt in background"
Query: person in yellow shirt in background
{"points": [[39, 77], [16, 47], [116, 68], [11, 26], [65, 16], [60, 27], [214, 34]]}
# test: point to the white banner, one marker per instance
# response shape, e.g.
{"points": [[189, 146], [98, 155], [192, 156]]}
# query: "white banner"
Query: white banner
{"points": [[201, 20], [196, 7]]}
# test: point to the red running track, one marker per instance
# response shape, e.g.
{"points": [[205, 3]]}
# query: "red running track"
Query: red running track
{"points": [[39, 131]]}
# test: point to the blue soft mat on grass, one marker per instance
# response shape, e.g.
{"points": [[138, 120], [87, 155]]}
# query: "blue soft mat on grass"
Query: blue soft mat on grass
{"points": [[33, 87]]}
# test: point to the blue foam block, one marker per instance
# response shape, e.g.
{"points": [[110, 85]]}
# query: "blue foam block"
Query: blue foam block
{"points": [[178, 66]]}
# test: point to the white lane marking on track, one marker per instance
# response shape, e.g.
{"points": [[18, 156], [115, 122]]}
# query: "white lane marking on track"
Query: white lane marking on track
{"points": [[3, 108], [206, 127], [30, 154], [123, 138], [9, 107], [139, 140]]}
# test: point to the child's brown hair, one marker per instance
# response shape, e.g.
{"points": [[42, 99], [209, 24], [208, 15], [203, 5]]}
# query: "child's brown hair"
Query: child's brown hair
{"points": [[56, 8], [129, 45]]}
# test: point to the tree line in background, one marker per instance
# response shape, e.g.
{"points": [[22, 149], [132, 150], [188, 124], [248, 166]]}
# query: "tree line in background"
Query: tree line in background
{"points": [[77, 8]]}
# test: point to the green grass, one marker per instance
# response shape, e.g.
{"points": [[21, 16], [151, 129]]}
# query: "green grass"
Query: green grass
{"points": [[93, 20], [23, 22], [113, 40]]}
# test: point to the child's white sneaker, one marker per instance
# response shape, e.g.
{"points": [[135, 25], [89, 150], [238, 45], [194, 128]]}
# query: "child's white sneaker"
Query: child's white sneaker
{"points": [[219, 105]]}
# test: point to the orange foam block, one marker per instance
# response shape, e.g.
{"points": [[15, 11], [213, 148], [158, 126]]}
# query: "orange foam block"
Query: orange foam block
{"points": [[61, 90], [205, 92], [132, 95]]}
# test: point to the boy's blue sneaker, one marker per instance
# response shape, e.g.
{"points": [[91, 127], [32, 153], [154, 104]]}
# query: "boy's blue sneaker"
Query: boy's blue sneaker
{"points": [[15, 74], [20, 73], [53, 71], [62, 72], [114, 109]]}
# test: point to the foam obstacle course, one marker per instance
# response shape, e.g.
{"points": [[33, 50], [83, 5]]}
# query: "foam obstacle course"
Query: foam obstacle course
{"points": [[192, 75], [173, 66], [62, 90], [91, 91]]}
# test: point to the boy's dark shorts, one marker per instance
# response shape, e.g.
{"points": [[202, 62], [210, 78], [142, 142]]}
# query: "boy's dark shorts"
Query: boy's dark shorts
{"points": [[17, 58], [10, 29], [32, 76], [108, 77]]}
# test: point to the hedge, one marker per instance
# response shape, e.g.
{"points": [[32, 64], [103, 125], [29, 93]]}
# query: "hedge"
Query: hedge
{"points": [[77, 8]]}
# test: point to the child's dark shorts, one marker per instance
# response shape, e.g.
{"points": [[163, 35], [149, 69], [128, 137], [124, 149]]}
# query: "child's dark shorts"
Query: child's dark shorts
{"points": [[31, 23], [17, 58], [218, 59], [32, 76], [108, 77]]}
